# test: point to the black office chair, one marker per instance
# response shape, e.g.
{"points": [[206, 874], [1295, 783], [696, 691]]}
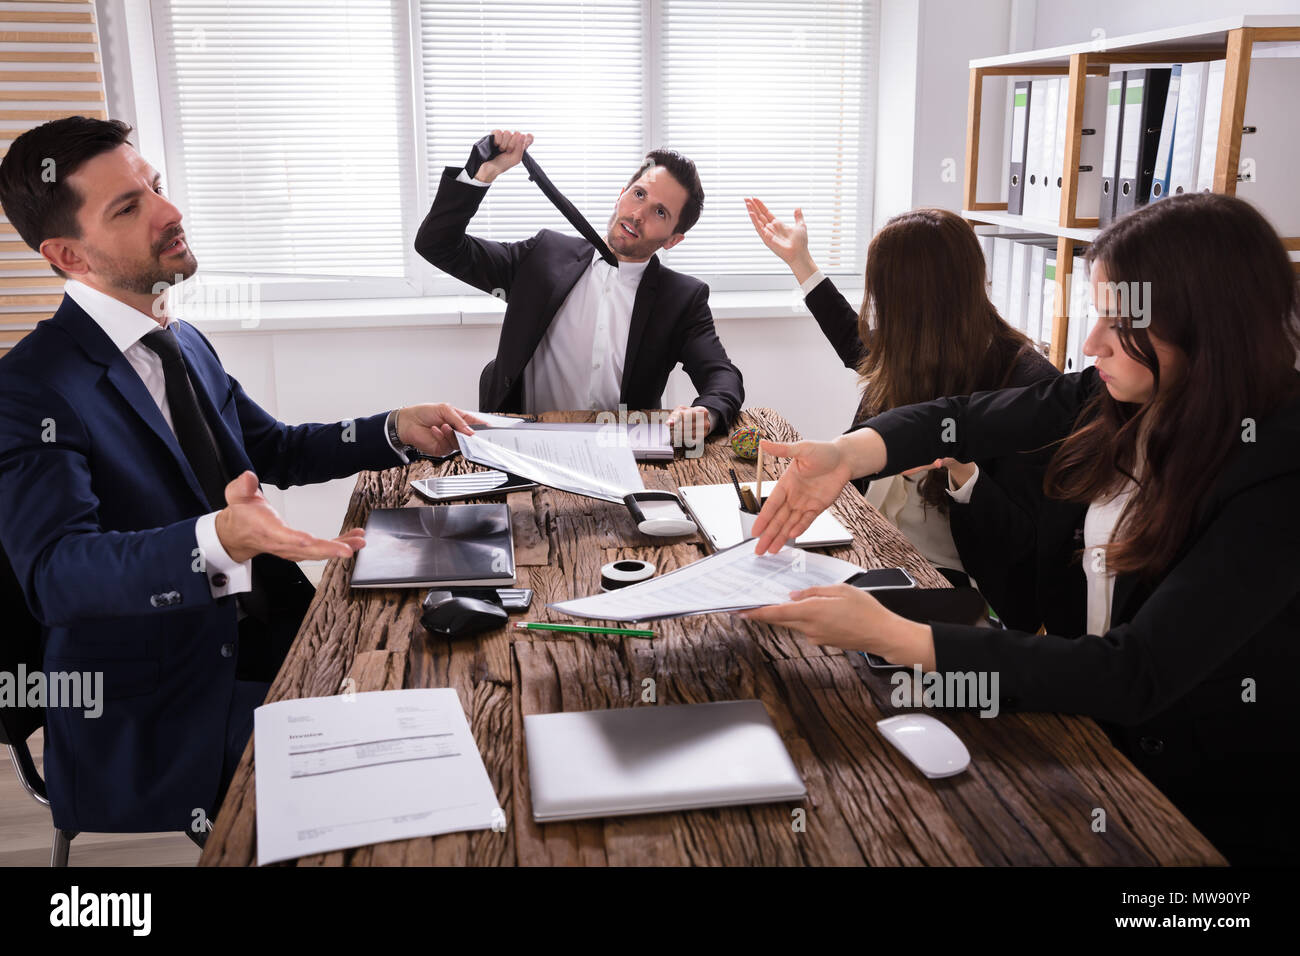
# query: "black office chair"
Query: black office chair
{"points": [[21, 645]]}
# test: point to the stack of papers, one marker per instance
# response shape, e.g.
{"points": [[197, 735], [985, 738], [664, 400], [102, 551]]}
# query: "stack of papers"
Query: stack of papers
{"points": [[730, 580]]}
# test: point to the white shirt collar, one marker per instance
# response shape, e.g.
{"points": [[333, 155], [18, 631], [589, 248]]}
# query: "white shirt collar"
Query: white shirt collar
{"points": [[626, 271], [123, 324]]}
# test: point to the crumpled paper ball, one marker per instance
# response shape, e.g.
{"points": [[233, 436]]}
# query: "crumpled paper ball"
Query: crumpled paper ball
{"points": [[744, 441]]}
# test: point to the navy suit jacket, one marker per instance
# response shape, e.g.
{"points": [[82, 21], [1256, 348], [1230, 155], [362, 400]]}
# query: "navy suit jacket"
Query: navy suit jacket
{"points": [[97, 512]]}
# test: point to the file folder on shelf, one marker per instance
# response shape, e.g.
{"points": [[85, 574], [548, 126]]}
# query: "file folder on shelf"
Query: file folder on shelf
{"points": [[1019, 138], [1088, 176], [1110, 149], [1056, 172], [1209, 152], [1187, 128], [1144, 104], [1047, 318], [1080, 295], [1038, 149], [1002, 249], [1018, 289], [1165, 147], [1034, 287]]}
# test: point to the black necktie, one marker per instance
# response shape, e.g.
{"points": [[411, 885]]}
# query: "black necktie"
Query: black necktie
{"points": [[191, 427], [486, 148]]}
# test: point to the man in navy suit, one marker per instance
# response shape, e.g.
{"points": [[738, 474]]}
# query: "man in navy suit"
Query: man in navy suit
{"points": [[130, 507]]}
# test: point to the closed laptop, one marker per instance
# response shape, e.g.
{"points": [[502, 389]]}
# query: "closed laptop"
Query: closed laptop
{"points": [[655, 759]]}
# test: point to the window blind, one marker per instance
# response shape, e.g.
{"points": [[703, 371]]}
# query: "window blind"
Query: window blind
{"points": [[770, 99], [572, 73], [287, 143], [49, 68]]}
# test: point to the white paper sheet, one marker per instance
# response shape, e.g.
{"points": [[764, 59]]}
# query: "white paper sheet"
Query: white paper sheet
{"points": [[356, 769], [571, 461], [727, 581]]}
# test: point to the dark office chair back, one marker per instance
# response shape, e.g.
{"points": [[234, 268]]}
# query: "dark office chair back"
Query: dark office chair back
{"points": [[20, 643]]}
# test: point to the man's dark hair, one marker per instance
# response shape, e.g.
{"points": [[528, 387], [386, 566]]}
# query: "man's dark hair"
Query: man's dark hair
{"points": [[683, 170], [34, 187]]}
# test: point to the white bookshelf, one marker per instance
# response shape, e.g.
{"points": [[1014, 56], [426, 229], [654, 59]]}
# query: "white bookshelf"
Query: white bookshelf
{"points": [[1231, 39]]}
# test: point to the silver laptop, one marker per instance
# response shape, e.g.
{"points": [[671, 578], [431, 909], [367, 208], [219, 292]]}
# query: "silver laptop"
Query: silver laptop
{"points": [[655, 759]]}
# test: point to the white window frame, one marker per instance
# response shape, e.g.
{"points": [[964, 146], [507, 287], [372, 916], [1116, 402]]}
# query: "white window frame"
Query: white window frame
{"points": [[143, 27]]}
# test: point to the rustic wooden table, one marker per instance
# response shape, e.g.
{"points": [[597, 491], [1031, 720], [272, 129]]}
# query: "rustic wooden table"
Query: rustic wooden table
{"points": [[1029, 796]]}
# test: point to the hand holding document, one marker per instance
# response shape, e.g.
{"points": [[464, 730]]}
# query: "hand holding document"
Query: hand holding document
{"points": [[730, 580], [576, 462], [356, 769]]}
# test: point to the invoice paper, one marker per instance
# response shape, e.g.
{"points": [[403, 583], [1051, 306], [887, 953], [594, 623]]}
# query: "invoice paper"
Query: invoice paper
{"points": [[730, 580], [578, 462], [356, 769]]}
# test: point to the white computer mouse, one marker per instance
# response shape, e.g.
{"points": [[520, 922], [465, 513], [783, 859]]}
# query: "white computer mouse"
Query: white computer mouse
{"points": [[928, 743]]}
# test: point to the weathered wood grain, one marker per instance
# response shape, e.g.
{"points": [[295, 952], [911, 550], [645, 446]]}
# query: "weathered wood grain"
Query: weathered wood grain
{"points": [[1028, 797]]}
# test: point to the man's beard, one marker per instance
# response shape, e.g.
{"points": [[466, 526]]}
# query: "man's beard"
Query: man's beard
{"points": [[149, 278], [640, 248]]}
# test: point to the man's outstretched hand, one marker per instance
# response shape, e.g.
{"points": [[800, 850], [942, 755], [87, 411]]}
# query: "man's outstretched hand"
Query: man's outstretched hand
{"points": [[249, 526]]}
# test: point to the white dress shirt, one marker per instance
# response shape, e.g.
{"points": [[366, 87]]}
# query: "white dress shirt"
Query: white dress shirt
{"points": [[126, 327], [579, 362], [1098, 530]]}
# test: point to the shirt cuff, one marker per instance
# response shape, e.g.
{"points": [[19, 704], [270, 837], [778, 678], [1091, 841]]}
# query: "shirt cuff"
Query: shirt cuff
{"points": [[962, 494], [225, 574], [465, 177], [389, 423], [810, 283]]}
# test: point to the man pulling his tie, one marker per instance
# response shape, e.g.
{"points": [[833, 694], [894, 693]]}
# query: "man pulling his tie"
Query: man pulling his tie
{"points": [[579, 333]]}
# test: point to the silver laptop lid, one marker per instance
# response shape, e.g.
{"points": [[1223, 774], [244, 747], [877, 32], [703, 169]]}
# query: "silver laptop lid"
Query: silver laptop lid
{"points": [[654, 759]]}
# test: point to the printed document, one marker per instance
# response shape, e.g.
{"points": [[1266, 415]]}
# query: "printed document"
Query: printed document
{"points": [[578, 462], [355, 769], [730, 580]]}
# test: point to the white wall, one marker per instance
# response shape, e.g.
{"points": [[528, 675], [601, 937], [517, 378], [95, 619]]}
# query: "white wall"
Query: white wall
{"points": [[1058, 23]]}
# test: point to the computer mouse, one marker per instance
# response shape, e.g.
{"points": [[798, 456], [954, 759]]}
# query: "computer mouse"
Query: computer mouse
{"points": [[451, 615], [928, 743]]}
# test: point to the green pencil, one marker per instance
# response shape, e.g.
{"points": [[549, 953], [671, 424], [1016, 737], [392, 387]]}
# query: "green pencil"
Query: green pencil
{"points": [[535, 626]]}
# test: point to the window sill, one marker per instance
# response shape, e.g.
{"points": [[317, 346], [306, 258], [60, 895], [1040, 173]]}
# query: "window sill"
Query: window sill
{"points": [[453, 310]]}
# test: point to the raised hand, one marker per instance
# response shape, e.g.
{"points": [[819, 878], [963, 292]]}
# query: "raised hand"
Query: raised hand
{"points": [[790, 243], [512, 145]]}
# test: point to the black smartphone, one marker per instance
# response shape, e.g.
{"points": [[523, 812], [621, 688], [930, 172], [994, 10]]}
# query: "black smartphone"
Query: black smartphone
{"points": [[879, 579], [947, 605]]}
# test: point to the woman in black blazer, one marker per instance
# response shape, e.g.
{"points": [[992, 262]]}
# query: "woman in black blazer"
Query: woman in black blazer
{"points": [[932, 331], [1168, 565]]}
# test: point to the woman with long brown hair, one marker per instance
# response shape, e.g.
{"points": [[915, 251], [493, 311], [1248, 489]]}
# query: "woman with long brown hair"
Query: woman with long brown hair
{"points": [[1168, 565], [927, 329]]}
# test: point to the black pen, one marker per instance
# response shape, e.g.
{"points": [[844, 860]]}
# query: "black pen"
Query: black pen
{"points": [[736, 481]]}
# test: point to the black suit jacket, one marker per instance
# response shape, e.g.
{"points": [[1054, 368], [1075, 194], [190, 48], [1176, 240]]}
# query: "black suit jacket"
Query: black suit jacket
{"points": [[1167, 679], [995, 530], [671, 321]]}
